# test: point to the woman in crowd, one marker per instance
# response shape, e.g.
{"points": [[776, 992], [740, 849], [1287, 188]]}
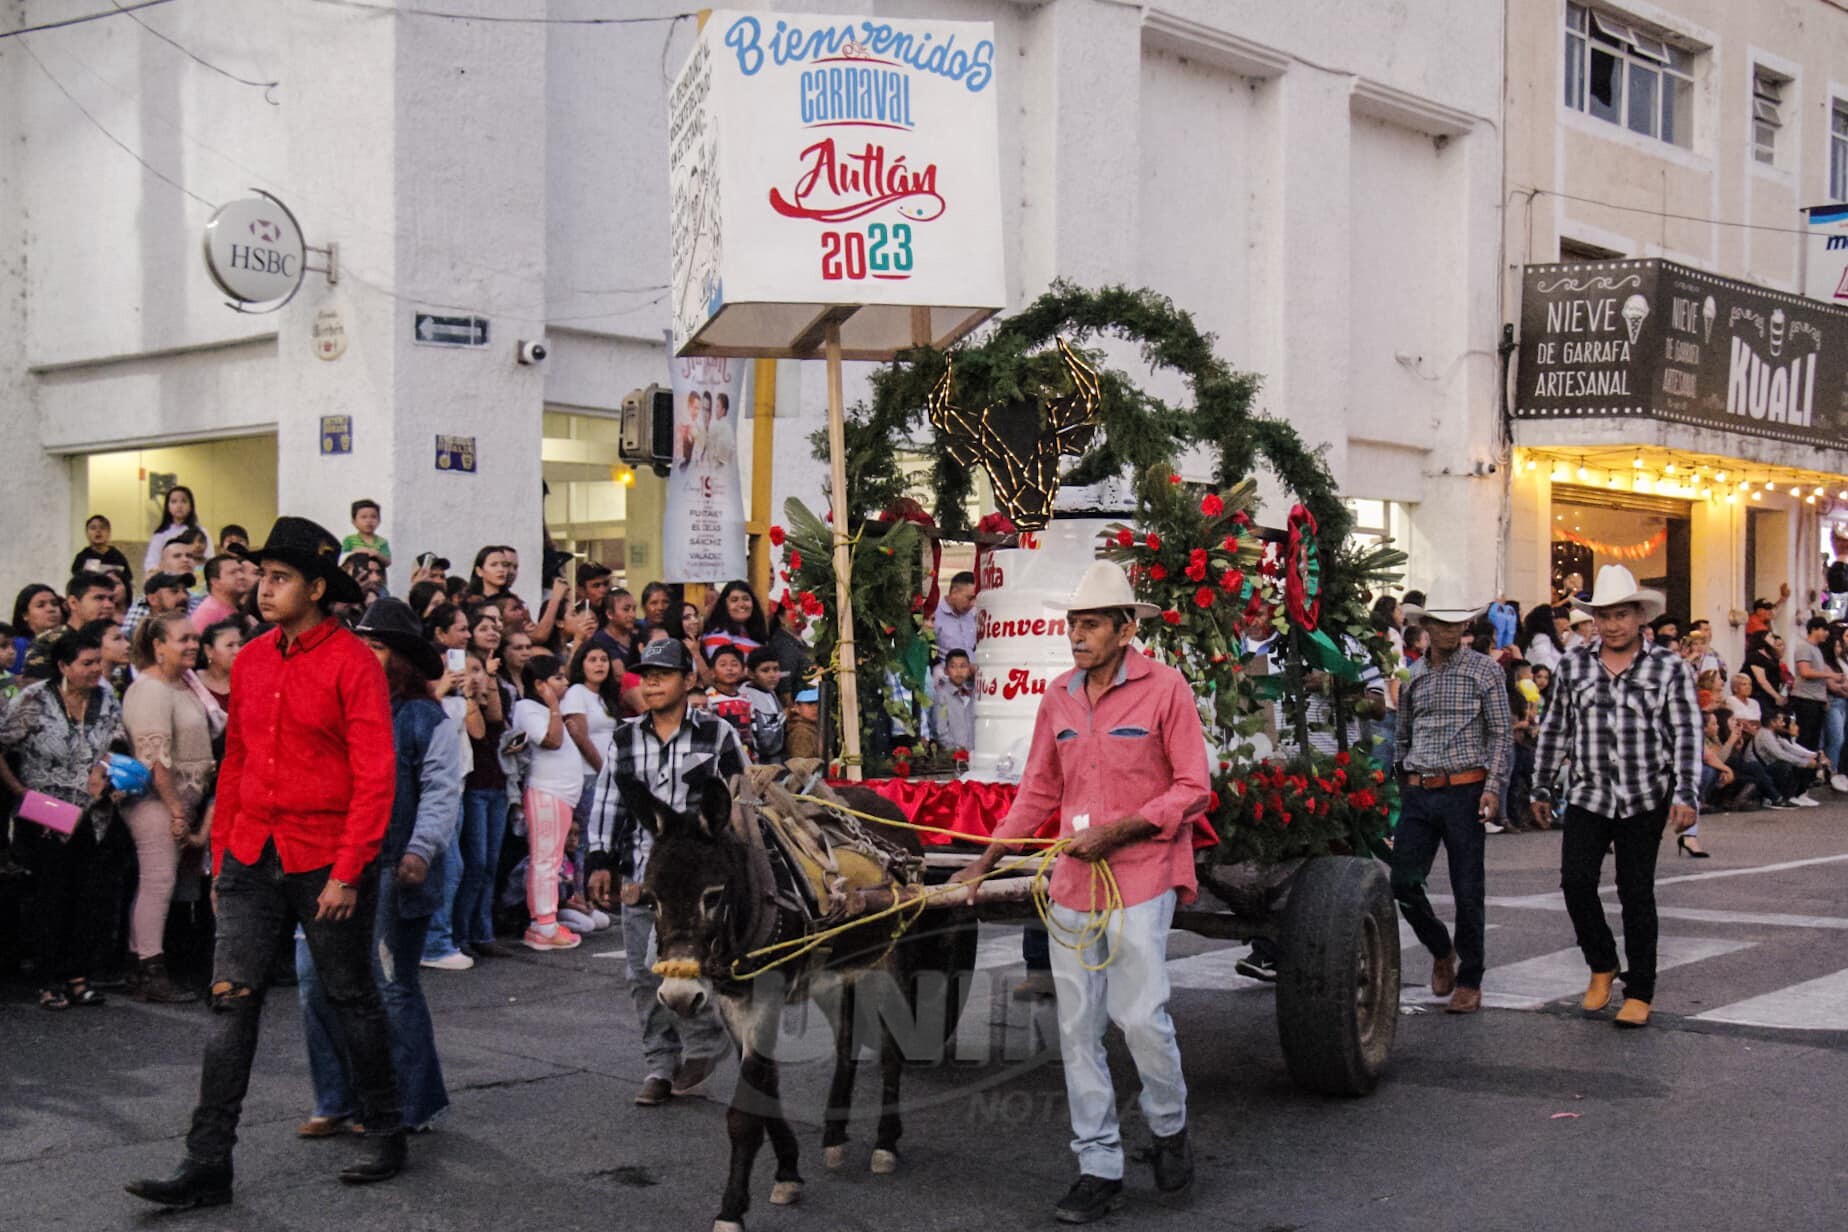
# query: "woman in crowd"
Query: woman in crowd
{"points": [[1536, 640], [38, 609], [59, 730], [447, 626], [485, 634], [690, 638], [592, 706], [736, 618], [218, 647], [423, 597], [516, 652], [1835, 725], [489, 576], [553, 786], [484, 812], [424, 810], [177, 517], [118, 655], [657, 605], [171, 733]]}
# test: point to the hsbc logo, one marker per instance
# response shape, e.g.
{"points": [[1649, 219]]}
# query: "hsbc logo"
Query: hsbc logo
{"points": [[265, 231]]}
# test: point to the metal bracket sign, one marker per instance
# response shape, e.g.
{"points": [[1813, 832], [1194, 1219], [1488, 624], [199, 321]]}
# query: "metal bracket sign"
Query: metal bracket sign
{"points": [[432, 330], [336, 434], [455, 453]]}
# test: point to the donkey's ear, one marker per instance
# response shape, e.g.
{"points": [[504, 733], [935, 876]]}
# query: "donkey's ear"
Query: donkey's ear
{"points": [[715, 805], [639, 803]]}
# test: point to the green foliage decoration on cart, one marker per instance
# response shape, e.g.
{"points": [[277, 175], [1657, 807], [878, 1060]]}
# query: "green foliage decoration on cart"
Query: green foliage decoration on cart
{"points": [[1222, 581]]}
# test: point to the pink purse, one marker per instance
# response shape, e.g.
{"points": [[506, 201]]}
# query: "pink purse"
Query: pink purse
{"points": [[50, 812]]}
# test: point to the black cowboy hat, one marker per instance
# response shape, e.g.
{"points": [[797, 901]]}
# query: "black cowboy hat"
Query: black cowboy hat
{"points": [[392, 622], [307, 546]]}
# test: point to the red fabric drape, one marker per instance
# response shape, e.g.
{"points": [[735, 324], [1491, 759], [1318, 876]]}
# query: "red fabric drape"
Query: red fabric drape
{"points": [[968, 806]]}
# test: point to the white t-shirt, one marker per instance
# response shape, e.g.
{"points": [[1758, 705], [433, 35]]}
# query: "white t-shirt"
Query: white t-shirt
{"points": [[557, 772], [584, 700], [456, 707]]}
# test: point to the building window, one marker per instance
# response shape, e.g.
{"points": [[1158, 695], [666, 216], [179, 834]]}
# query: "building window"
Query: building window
{"points": [[1767, 98], [1838, 151], [1621, 74]]}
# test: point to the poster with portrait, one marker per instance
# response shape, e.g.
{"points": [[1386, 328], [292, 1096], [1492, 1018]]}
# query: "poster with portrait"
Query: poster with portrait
{"points": [[702, 532]]}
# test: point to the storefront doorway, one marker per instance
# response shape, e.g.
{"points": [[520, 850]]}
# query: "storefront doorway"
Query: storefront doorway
{"points": [[233, 480], [1649, 535]]}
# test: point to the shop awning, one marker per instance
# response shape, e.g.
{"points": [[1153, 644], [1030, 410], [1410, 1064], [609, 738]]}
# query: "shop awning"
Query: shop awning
{"points": [[1650, 353]]}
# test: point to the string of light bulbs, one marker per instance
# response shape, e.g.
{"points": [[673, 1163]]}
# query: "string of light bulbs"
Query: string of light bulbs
{"points": [[1684, 476]]}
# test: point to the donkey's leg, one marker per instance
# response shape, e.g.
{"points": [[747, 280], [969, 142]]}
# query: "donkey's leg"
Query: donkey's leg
{"points": [[744, 1123], [788, 1188], [891, 1069], [840, 1090]]}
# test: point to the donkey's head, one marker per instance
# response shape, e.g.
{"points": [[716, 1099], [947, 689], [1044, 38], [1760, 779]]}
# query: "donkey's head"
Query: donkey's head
{"points": [[694, 880]]}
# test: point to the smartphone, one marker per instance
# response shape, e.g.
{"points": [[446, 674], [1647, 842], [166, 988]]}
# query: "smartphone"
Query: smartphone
{"points": [[426, 560], [455, 660]]}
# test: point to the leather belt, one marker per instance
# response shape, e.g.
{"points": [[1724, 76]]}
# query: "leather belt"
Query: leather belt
{"points": [[1430, 782]]}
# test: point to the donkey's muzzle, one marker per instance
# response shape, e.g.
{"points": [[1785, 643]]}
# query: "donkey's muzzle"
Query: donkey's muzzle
{"points": [[685, 997]]}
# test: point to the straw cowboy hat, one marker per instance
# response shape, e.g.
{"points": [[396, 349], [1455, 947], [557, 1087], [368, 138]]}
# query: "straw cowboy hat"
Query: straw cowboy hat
{"points": [[1443, 609], [1103, 586], [1616, 585]]}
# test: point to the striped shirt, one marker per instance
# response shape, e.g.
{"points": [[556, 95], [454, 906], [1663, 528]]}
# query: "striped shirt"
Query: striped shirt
{"points": [[1633, 739], [1455, 717], [674, 773]]}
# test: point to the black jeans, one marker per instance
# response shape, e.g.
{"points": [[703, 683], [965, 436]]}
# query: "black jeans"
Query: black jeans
{"points": [[76, 893], [1447, 817], [1811, 715], [259, 905], [1581, 863]]}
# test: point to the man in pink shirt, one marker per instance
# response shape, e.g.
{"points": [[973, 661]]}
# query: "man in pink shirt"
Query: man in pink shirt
{"points": [[227, 582], [1119, 756]]}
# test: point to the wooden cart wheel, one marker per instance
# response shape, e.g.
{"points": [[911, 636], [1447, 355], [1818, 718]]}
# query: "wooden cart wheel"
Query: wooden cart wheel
{"points": [[1338, 976]]}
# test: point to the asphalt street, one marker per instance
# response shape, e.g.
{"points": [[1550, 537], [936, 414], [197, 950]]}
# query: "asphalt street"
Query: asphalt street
{"points": [[1725, 1114]]}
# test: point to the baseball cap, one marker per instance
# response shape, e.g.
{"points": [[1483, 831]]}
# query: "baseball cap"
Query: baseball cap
{"points": [[168, 581], [810, 694], [666, 655]]}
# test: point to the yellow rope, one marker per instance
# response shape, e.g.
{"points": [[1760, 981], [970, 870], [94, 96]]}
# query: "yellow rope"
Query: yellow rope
{"points": [[1094, 928]]}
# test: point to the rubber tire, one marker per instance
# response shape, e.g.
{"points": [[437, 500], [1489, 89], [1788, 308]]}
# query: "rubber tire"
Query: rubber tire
{"points": [[1340, 910]]}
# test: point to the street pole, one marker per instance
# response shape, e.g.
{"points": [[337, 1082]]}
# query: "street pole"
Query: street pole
{"points": [[843, 557]]}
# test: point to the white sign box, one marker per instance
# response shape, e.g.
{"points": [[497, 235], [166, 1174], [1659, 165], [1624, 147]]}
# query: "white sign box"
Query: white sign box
{"points": [[834, 168], [1826, 254]]}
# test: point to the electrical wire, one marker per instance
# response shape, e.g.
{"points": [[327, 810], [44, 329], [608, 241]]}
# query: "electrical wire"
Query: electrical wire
{"points": [[120, 10], [1668, 214], [265, 86], [404, 11], [114, 140]]}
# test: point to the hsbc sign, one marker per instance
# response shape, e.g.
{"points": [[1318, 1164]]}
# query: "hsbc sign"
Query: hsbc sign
{"points": [[254, 251]]}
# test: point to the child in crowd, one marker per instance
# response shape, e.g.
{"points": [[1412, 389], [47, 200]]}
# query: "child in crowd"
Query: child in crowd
{"points": [[765, 674], [726, 698], [99, 555], [10, 682], [365, 536], [952, 715], [233, 536], [802, 731]]}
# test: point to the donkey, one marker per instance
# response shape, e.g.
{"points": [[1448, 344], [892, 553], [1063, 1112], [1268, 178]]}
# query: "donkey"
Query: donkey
{"points": [[697, 880]]}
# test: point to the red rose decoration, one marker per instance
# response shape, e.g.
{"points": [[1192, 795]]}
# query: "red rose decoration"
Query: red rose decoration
{"points": [[1343, 758], [1157, 573], [1231, 543], [1154, 541], [1211, 505], [1171, 616], [1203, 597], [777, 535], [1196, 572], [795, 559], [1126, 539], [1232, 581]]}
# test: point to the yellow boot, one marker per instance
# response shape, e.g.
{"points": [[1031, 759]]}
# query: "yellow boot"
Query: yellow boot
{"points": [[1634, 1013], [1598, 995]]}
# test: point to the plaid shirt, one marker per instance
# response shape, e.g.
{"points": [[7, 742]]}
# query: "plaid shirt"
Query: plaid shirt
{"points": [[1633, 739], [674, 774], [1455, 718]]}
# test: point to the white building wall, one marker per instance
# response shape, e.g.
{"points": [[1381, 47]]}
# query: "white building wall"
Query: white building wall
{"points": [[1318, 182]]}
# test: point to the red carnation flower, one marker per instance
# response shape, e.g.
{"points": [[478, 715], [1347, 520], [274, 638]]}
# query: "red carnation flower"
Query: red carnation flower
{"points": [[1343, 758], [1148, 652], [1173, 478], [1212, 802], [1257, 811], [1196, 572], [1242, 518], [1232, 581], [1211, 505], [777, 535], [1231, 543], [902, 753], [960, 755], [1154, 541], [1125, 538], [1171, 616], [1157, 573], [1203, 597], [1197, 556], [795, 559]]}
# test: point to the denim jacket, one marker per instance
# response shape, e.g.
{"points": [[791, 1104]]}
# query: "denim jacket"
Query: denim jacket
{"points": [[428, 803]]}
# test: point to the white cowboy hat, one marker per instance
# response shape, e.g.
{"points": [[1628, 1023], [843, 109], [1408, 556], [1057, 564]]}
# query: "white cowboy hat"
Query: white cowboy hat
{"points": [[1616, 585], [1104, 585], [1441, 609]]}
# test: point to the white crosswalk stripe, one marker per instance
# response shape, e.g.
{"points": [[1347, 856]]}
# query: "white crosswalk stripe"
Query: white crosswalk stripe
{"points": [[1535, 982], [1814, 1005]]}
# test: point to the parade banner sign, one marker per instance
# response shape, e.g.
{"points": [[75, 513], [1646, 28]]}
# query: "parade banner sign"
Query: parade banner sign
{"points": [[1653, 339], [834, 165], [703, 524]]}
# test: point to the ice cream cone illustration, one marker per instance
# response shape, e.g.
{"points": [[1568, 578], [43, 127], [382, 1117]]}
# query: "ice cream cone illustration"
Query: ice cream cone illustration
{"points": [[1708, 311], [1635, 310]]}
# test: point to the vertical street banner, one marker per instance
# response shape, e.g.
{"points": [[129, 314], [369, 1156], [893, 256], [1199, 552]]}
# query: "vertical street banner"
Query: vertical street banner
{"points": [[820, 161], [702, 531]]}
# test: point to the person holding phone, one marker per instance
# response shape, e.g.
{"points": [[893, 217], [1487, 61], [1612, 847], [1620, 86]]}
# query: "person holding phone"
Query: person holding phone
{"points": [[553, 786], [441, 952]]}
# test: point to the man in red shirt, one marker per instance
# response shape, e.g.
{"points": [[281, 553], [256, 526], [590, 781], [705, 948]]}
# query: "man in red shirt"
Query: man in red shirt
{"points": [[304, 797], [1119, 756]]}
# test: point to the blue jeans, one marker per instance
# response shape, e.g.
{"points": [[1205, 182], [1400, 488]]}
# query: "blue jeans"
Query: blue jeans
{"points": [[398, 945], [1428, 819], [440, 942], [1834, 727], [666, 1037], [484, 824], [1133, 993]]}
